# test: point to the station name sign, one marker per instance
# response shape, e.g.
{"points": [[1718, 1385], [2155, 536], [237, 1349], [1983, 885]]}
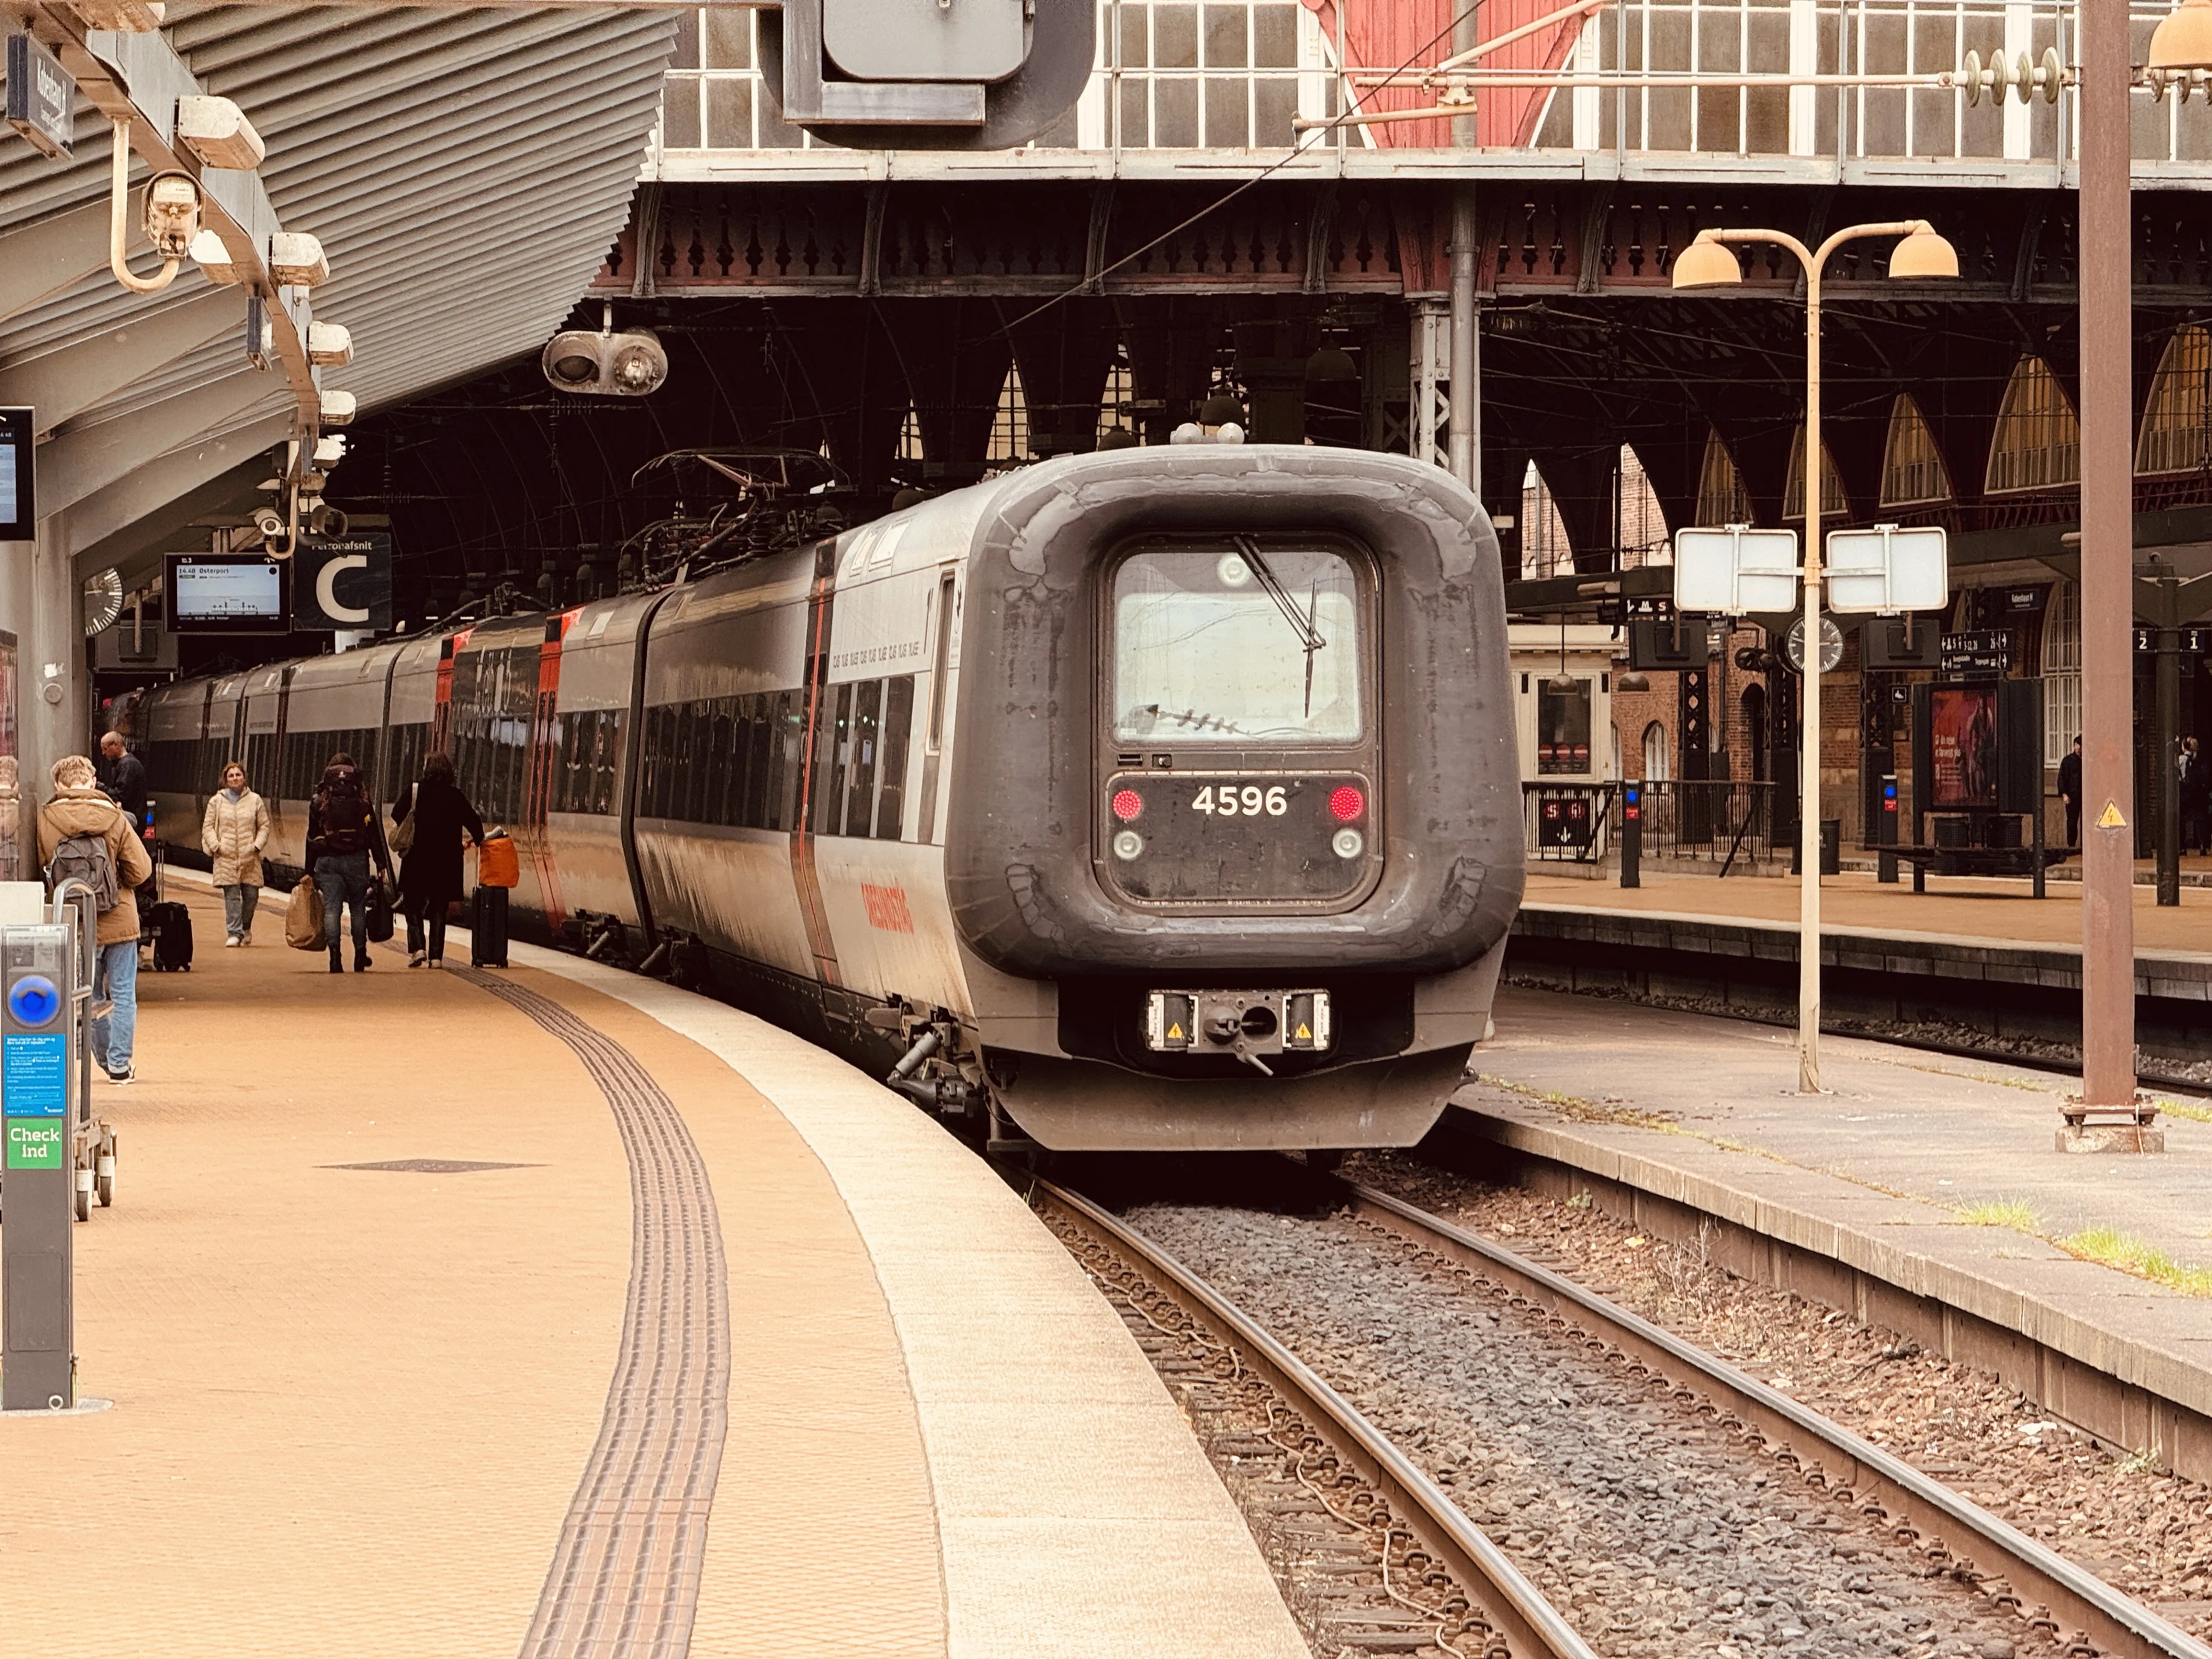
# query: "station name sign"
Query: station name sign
{"points": [[41, 98]]}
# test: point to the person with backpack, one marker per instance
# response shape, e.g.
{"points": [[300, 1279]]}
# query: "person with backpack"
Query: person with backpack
{"points": [[232, 835], [437, 816], [344, 836], [84, 835]]}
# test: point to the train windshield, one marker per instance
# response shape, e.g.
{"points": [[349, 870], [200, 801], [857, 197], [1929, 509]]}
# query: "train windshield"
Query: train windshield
{"points": [[1235, 643]]}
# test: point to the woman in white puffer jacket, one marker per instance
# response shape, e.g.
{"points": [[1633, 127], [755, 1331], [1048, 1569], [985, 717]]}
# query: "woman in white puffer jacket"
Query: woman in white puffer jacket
{"points": [[233, 833]]}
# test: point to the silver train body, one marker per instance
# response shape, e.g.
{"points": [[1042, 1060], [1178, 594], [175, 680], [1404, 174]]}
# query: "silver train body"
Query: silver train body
{"points": [[1159, 799]]}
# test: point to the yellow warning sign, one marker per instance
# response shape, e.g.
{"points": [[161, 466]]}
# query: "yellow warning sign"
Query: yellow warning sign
{"points": [[1175, 1034], [2111, 818], [1304, 1036]]}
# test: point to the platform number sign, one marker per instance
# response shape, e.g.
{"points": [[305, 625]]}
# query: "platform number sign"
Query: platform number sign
{"points": [[1564, 821]]}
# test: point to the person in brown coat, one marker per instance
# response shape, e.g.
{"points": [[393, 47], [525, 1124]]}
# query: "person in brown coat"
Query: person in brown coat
{"points": [[82, 832]]}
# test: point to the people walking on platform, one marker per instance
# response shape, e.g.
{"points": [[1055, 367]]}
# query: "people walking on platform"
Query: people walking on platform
{"points": [[233, 833], [344, 838], [2069, 791], [123, 775], [2195, 800], [83, 833], [435, 816]]}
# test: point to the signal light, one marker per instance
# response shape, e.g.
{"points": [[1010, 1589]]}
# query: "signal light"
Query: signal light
{"points": [[1347, 803], [1128, 803]]}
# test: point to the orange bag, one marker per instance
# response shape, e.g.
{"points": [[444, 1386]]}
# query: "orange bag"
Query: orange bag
{"points": [[498, 864]]}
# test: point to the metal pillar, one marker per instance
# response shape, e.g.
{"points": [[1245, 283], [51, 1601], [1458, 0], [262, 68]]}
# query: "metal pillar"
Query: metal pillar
{"points": [[1429, 420], [1466, 418], [2108, 979], [2166, 767], [1466, 34]]}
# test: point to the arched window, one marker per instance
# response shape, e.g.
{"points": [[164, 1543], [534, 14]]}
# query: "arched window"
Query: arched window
{"points": [[2062, 671], [1544, 549], [2037, 444], [1793, 491], [1911, 467], [1721, 499], [1640, 528], [2175, 435], [1657, 757], [1755, 733], [909, 447], [1010, 426]]}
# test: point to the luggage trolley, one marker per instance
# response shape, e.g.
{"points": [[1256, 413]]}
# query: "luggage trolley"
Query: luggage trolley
{"points": [[91, 1138]]}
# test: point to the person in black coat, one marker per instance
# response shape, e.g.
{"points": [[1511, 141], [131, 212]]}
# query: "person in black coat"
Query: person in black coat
{"points": [[430, 870], [2069, 791], [2196, 798]]}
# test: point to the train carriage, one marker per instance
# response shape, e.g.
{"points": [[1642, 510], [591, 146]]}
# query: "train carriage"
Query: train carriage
{"points": [[1163, 799]]}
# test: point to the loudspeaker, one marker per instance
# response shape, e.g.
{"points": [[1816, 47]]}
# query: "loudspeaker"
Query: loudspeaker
{"points": [[1882, 643], [1651, 645]]}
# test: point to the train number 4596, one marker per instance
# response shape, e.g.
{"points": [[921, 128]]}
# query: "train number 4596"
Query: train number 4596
{"points": [[1228, 801]]}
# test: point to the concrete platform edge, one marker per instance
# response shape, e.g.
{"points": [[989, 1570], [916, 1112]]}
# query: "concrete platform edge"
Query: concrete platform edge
{"points": [[2130, 1395]]}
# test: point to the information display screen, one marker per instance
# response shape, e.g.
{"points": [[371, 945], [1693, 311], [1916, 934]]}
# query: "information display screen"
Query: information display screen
{"points": [[226, 593], [1963, 746], [18, 514]]}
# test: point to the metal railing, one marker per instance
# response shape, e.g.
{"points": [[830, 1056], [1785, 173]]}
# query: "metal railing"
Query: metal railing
{"points": [[1567, 822], [1727, 821]]}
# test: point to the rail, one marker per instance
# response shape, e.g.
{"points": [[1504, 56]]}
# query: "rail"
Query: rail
{"points": [[1945, 1525], [1511, 1604]]}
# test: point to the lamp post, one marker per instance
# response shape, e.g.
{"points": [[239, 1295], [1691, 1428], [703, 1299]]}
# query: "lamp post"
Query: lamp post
{"points": [[1708, 263]]}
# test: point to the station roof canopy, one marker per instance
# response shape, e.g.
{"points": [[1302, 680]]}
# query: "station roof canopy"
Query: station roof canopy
{"points": [[465, 170]]}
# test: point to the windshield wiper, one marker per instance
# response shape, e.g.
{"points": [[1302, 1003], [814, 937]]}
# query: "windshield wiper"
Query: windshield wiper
{"points": [[1191, 719], [1301, 622]]}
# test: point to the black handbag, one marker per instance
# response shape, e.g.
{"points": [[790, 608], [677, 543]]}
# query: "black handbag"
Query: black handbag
{"points": [[379, 912]]}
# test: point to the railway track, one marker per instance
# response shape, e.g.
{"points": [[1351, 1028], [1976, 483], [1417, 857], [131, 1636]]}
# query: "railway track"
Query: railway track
{"points": [[1955, 1536], [1462, 1594], [1953, 1577]]}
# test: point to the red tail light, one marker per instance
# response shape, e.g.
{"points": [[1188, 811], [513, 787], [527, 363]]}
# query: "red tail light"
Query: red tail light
{"points": [[1345, 804], [1128, 803]]}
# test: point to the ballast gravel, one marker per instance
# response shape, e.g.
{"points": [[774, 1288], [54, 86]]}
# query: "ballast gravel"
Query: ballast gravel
{"points": [[2145, 1531], [1654, 1534]]}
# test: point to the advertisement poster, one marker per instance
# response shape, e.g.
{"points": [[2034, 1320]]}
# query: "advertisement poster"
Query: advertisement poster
{"points": [[1963, 747]]}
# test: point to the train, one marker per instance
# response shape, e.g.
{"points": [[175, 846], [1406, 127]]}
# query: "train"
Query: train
{"points": [[1157, 800]]}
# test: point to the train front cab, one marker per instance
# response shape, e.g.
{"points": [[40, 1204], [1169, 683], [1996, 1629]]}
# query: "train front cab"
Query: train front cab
{"points": [[1235, 837]]}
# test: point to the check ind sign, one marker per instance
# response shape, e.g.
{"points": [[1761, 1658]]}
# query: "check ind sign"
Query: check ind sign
{"points": [[34, 1095]]}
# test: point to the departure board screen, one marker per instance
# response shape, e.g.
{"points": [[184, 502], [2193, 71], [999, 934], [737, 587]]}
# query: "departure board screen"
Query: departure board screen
{"points": [[18, 514], [226, 593]]}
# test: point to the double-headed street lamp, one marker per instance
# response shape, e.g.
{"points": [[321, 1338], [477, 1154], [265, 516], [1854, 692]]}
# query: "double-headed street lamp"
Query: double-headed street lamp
{"points": [[1707, 263]]}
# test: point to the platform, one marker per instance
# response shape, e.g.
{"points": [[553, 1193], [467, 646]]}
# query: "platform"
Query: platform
{"points": [[559, 1312], [1922, 1192]]}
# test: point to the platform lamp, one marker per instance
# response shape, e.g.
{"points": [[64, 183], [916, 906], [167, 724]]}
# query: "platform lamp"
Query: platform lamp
{"points": [[1709, 262], [2182, 40]]}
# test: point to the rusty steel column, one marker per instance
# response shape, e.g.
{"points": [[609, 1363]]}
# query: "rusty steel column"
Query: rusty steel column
{"points": [[2108, 807]]}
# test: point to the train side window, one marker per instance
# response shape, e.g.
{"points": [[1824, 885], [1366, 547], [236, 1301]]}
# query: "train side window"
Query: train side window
{"points": [[866, 748], [705, 765], [938, 667], [898, 729]]}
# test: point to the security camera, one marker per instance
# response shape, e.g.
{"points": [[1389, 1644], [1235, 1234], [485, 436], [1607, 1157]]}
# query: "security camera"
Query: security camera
{"points": [[325, 520], [269, 521], [172, 213], [630, 364]]}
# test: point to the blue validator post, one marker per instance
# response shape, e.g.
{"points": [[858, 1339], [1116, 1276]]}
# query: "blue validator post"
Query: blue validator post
{"points": [[38, 1074]]}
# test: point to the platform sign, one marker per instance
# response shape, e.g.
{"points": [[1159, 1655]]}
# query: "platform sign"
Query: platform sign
{"points": [[1985, 652], [1736, 570], [41, 98], [342, 583], [1888, 569]]}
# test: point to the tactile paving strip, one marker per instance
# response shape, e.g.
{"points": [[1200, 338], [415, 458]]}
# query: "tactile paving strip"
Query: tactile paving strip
{"points": [[624, 1581]]}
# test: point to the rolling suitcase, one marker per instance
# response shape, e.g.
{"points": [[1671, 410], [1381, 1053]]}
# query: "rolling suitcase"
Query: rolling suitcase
{"points": [[172, 925], [487, 928]]}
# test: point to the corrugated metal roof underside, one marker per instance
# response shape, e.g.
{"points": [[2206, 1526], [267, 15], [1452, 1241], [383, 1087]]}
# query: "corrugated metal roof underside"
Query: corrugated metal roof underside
{"points": [[466, 171]]}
